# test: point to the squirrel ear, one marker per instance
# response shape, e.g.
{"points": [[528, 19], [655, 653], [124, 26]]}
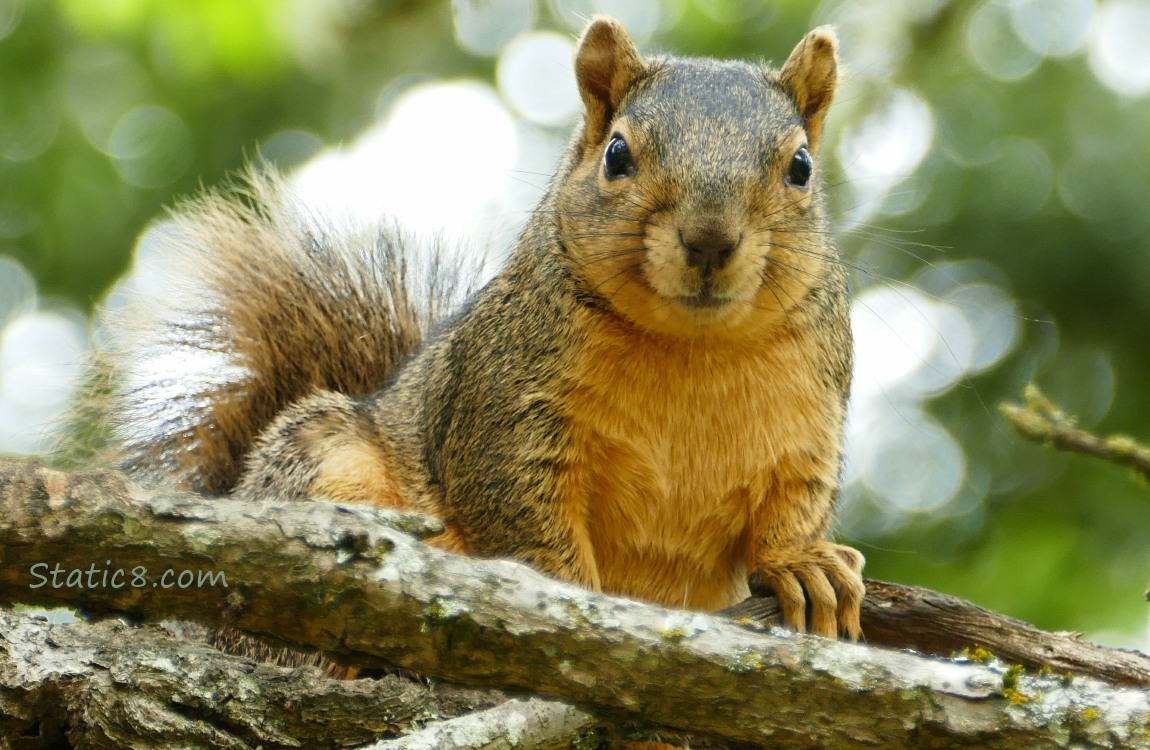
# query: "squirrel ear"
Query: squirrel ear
{"points": [[606, 65], [809, 76]]}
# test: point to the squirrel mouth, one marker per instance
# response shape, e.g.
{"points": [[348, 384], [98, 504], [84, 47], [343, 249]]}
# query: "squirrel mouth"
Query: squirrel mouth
{"points": [[704, 300]]}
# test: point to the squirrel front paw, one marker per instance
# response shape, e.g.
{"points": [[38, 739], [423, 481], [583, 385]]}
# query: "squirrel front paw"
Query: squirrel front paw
{"points": [[827, 575]]}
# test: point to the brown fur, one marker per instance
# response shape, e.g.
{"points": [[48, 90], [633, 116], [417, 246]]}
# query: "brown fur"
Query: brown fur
{"points": [[239, 265], [648, 400], [354, 470]]}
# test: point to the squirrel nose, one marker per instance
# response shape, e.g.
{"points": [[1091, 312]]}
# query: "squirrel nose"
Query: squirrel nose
{"points": [[709, 248]]}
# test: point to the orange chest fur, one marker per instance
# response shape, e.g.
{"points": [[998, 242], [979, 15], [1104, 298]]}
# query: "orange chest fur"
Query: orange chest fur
{"points": [[673, 450]]}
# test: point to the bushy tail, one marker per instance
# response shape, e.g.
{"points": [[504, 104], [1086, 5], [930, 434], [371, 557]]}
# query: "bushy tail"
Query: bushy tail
{"points": [[245, 301]]}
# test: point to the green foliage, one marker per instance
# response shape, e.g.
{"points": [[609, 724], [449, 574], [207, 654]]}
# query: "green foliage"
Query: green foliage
{"points": [[1061, 541], [115, 108]]}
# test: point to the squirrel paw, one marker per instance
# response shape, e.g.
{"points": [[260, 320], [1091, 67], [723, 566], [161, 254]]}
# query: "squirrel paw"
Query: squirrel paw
{"points": [[827, 575]]}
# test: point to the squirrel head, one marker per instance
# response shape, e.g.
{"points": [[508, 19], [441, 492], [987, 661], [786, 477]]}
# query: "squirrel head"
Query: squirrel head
{"points": [[694, 204]]}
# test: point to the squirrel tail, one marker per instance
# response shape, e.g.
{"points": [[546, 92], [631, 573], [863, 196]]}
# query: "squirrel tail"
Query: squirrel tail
{"points": [[252, 300]]}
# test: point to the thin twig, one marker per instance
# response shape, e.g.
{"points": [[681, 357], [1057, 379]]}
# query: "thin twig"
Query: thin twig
{"points": [[1040, 420]]}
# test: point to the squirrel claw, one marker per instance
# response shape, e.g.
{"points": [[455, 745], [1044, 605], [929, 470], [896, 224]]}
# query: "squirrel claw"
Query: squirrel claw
{"points": [[825, 576]]}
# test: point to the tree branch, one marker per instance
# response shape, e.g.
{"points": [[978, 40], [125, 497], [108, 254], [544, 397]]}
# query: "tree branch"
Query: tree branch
{"points": [[111, 685], [358, 588], [943, 625], [519, 723], [1041, 421]]}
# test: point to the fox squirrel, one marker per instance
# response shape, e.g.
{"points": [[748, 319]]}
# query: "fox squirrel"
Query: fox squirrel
{"points": [[647, 400]]}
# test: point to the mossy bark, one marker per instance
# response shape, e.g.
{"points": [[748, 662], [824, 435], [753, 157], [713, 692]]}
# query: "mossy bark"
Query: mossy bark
{"points": [[112, 685], [345, 581]]}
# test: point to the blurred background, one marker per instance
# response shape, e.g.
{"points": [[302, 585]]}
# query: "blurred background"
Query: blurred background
{"points": [[987, 162]]}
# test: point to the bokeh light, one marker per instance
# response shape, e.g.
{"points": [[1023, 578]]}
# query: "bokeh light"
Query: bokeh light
{"points": [[912, 345], [100, 86], [27, 128], [485, 28], [1052, 28], [17, 291], [993, 44], [884, 148], [43, 356], [1119, 51], [1019, 178], [150, 146], [439, 161], [536, 78], [10, 12]]}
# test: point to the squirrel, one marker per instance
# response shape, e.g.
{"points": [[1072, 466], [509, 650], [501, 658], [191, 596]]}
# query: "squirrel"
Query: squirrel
{"points": [[647, 400]]}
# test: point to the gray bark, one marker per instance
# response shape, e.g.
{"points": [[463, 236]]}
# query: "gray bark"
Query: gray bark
{"points": [[112, 685], [515, 724], [358, 588]]}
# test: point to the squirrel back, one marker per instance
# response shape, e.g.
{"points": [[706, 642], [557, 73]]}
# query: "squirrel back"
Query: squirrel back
{"points": [[259, 301]]}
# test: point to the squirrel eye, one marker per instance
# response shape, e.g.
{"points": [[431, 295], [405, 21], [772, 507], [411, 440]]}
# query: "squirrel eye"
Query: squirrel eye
{"points": [[617, 160], [799, 174]]}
